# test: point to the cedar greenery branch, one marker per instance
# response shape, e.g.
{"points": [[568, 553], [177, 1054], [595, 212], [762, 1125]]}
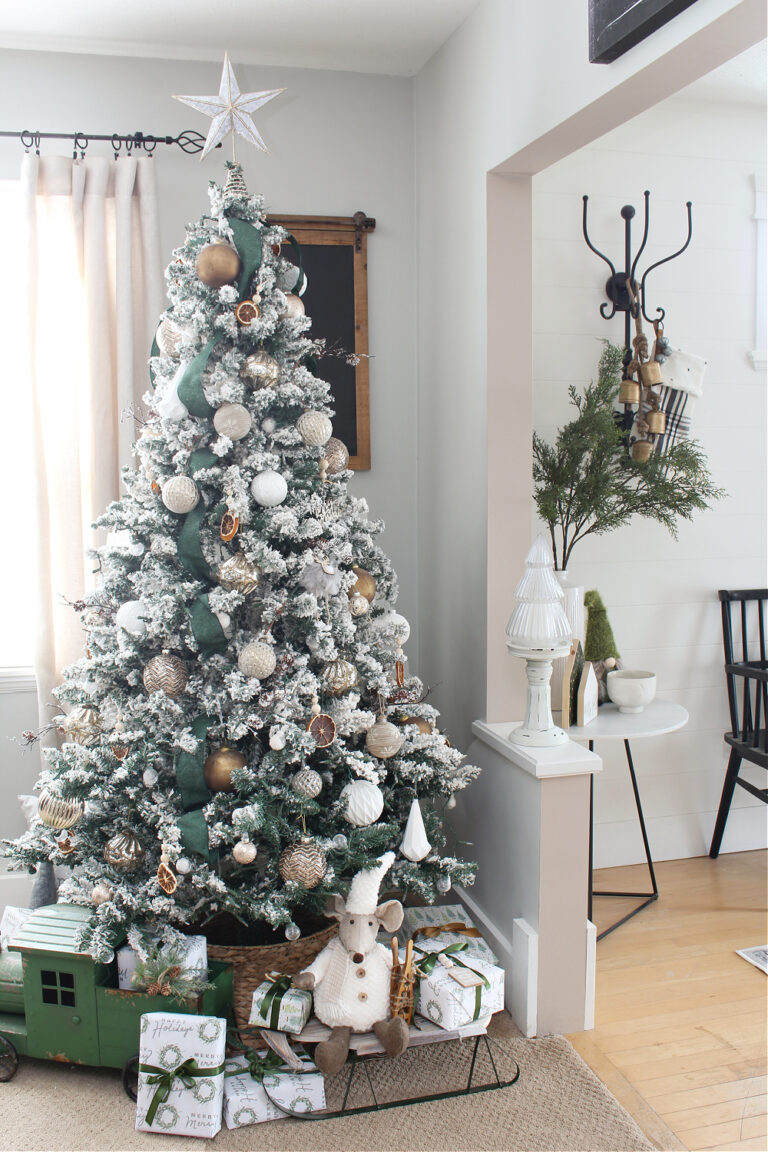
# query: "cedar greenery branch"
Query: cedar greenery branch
{"points": [[587, 484]]}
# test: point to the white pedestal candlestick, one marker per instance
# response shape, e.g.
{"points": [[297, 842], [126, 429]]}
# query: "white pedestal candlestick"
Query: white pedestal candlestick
{"points": [[538, 729]]}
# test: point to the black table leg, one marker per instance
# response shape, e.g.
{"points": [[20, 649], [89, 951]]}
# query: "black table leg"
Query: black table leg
{"points": [[646, 897]]}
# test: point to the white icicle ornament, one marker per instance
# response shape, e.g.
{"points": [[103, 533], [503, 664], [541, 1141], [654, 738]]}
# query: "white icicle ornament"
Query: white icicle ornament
{"points": [[365, 802], [415, 845]]}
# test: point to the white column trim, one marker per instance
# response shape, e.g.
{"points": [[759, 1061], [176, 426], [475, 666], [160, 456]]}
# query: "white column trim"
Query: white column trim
{"points": [[758, 357]]}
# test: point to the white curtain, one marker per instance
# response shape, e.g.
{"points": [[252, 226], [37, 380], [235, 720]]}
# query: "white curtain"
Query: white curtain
{"points": [[95, 291]]}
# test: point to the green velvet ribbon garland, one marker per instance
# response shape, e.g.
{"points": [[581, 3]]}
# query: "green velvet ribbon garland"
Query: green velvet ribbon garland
{"points": [[154, 351], [194, 793], [427, 961], [163, 1079]]}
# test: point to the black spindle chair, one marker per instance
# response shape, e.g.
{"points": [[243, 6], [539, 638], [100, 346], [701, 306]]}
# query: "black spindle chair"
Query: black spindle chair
{"points": [[747, 680]]}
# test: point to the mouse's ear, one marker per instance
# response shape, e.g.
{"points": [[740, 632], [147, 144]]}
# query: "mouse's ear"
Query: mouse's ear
{"points": [[390, 915], [336, 907]]}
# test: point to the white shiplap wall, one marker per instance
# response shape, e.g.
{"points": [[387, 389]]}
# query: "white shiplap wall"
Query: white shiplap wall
{"points": [[661, 595]]}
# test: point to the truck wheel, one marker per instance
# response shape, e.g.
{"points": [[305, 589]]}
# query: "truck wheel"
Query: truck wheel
{"points": [[9, 1060], [131, 1077]]}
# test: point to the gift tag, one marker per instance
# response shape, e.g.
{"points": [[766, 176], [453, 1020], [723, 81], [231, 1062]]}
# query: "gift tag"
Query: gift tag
{"points": [[464, 977]]}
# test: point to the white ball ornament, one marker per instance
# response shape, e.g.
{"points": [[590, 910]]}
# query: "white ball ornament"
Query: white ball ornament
{"points": [[276, 740], [232, 420], [384, 739], [315, 428], [358, 605], [365, 802], [257, 659], [244, 851], [394, 625], [183, 866], [294, 307], [443, 884], [130, 616], [180, 494], [292, 932], [269, 488], [339, 842], [268, 425], [150, 777]]}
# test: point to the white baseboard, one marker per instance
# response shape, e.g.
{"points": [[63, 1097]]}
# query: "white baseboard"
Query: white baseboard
{"points": [[518, 957], [591, 977]]}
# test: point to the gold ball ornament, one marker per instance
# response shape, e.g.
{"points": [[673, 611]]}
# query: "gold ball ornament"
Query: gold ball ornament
{"points": [[424, 727], [364, 803], [384, 740], [101, 893], [217, 265], [167, 674], [169, 337], [219, 766], [307, 783], [238, 574], [55, 812], [358, 605], [124, 852], [244, 852], [315, 428], [257, 659], [82, 726], [261, 369], [336, 457], [294, 307], [303, 863], [365, 585], [232, 420], [180, 494], [339, 676]]}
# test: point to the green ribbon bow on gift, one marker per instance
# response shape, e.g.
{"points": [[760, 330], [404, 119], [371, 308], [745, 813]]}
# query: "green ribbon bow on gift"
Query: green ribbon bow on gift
{"points": [[427, 961], [270, 1005], [258, 1066], [187, 1073]]}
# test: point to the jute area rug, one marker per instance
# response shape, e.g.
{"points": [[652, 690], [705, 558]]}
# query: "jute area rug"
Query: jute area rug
{"points": [[557, 1105]]}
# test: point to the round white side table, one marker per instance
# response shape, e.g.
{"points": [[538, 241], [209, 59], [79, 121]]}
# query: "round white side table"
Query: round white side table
{"points": [[657, 719]]}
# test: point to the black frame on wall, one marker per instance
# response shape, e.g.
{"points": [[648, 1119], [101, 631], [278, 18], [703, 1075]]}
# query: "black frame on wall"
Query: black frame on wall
{"points": [[615, 26]]}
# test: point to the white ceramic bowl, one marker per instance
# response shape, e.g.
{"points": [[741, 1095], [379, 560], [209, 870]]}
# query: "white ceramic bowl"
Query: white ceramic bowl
{"points": [[631, 689]]}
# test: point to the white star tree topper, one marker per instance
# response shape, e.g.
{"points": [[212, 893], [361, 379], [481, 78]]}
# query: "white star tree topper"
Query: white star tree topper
{"points": [[231, 110]]}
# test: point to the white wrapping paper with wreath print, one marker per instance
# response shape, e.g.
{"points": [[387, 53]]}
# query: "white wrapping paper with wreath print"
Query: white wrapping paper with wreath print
{"points": [[433, 917], [248, 1101], [278, 1006], [181, 1074], [444, 1001]]}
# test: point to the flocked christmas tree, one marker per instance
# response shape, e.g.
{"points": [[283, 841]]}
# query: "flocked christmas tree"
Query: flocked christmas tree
{"points": [[240, 736]]}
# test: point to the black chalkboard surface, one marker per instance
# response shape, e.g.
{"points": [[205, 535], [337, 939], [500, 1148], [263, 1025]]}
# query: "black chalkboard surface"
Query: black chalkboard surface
{"points": [[615, 26], [334, 258]]}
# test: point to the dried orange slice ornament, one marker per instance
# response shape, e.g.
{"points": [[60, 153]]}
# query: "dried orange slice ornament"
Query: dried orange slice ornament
{"points": [[229, 525], [323, 729], [247, 311]]}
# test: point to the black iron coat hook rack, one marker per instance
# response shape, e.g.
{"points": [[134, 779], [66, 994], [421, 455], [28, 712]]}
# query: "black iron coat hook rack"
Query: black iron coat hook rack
{"points": [[622, 289], [189, 141]]}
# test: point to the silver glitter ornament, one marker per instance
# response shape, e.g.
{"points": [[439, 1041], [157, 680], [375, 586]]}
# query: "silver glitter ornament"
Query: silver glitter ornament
{"points": [[150, 777], [339, 676], [244, 851], [257, 659], [183, 866], [308, 783]]}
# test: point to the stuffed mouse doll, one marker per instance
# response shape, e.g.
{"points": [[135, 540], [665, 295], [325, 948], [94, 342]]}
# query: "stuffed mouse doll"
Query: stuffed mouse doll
{"points": [[350, 977]]}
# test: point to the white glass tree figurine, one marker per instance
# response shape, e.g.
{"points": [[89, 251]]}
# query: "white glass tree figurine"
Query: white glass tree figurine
{"points": [[539, 632]]}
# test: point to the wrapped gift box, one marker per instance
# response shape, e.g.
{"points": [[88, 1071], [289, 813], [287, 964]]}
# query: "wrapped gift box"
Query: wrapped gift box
{"points": [[194, 959], [277, 1006], [442, 999], [181, 1074], [433, 917], [247, 1101]]}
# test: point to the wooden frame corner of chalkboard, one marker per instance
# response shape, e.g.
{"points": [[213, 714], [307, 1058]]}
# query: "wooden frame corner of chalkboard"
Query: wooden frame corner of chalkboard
{"points": [[334, 256]]}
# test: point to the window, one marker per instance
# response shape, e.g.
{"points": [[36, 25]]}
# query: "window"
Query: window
{"points": [[17, 578], [58, 988]]}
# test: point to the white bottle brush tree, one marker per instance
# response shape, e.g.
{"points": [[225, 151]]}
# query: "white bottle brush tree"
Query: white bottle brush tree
{"points": [[239, 736]]}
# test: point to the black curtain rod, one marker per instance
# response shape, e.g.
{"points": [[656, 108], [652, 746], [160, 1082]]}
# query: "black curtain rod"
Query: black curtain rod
{"points": [[189, 141]]}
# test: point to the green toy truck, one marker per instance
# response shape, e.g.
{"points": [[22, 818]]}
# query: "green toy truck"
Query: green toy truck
{"points": [[57, 1003]]}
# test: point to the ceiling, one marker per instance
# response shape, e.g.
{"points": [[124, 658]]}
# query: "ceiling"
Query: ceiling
{"points": [[395, 37]]}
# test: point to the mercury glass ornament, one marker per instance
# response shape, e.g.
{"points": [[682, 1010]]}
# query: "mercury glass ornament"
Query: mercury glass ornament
{"points": [[307, 783], [315, 428], [443, 884], [124, 852], [217, 265], [292, 932], [82, 726], [339, 842], [364, 801], [269, 488], [131, 617], [294, 307], [257, 659], [358, 605], [219, 766], [244, 852], [261, 369], [169, 337], [237, 574], [303, 863], [101, 893], [150, 777], [232, 420], [56, 812], [180, 494], [183, 866], [339, 676], [336, 456], [384, 739], [167, 674]]}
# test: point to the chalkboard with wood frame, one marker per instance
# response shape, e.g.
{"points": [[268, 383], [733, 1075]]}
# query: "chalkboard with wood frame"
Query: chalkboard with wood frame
{"points": [[335, 259]]}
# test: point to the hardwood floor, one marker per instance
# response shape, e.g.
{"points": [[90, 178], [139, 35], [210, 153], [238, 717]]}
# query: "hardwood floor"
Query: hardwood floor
{"points": [[680, 1019]]}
